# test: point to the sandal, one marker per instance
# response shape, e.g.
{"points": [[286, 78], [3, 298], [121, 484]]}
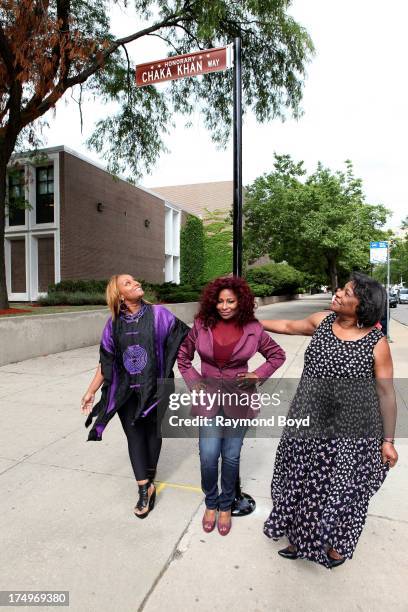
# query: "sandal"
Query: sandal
{"points": [[144, 500]]}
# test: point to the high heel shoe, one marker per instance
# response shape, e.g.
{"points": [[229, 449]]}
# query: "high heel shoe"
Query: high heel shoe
{"points": [[144, 500], [287, 553], [224, 528], [208, 525]]}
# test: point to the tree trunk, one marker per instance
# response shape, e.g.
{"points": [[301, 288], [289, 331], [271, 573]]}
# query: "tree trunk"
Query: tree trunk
{"points": [[3, 178], [333, 272], [6, 149]]}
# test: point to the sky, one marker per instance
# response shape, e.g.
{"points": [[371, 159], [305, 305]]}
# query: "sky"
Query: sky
{"points": [[354, 107]]}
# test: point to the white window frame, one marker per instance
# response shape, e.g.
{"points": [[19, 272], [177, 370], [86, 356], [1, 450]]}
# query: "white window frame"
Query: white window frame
{"points": [[52, 158], [33, 239], [172, 244], [18, 228]]}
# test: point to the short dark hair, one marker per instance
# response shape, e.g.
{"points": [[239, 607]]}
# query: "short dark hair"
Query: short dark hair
{"points": [[372, 297]]}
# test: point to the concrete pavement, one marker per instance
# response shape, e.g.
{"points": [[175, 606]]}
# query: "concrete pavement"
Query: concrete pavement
{"points": [[67, 522]]}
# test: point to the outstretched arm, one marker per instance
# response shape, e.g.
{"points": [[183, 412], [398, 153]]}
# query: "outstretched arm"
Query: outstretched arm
{"points": [[383, 369], [301, 327]]}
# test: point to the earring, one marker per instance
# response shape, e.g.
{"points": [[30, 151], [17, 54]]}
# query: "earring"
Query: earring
{"points": [[360, 325]]}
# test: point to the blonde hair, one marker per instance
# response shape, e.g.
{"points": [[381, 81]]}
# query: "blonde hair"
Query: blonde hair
{"points": [[113, 296]]}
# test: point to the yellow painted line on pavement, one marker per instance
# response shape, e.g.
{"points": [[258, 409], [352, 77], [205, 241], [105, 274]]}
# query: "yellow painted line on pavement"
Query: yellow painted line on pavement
{"points": [[160, 487], [173, 485]]}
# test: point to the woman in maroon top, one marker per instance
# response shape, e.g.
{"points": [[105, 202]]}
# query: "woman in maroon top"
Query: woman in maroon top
{"points": [[225, 335]]}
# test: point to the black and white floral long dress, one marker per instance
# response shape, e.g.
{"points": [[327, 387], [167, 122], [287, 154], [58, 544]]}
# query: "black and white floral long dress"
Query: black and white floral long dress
{"points": [[321, 486]]}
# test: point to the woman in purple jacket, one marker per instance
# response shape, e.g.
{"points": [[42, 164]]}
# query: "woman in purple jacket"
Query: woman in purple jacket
{"points": [[138, 347], [225, 335]]}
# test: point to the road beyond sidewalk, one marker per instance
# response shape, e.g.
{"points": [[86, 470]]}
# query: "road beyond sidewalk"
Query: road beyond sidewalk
{"points": [[67, 521]]}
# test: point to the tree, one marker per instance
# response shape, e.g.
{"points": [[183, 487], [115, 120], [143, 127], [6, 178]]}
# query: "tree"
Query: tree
{"points": [[320, 224], [47, 47], [398, 263]]}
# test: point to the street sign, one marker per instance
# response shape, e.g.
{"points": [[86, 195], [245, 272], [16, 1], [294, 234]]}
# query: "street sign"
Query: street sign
{"points": [[180, 66], [378, 252]]}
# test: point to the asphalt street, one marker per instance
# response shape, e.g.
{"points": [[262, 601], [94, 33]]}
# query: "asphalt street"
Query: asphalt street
{"points": [[296, 309], [400, 313]]}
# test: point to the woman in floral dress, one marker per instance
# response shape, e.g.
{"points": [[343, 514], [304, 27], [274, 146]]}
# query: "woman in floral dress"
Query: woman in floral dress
{"points": [[322, 482]]}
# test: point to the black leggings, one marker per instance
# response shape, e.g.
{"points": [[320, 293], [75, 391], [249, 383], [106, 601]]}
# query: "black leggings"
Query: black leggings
{"points": [[144, 444]]}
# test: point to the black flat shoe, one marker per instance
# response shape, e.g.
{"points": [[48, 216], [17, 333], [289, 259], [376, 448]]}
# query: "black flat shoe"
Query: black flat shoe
{"points": [[287, 553], [335, 562], [144, 501]]}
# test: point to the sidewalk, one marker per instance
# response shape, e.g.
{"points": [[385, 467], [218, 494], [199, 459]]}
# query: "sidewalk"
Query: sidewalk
{"points": [[67, 522]]}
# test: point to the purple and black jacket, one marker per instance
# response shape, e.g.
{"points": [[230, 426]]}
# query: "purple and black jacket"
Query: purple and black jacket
{"points": [[137, 355]]}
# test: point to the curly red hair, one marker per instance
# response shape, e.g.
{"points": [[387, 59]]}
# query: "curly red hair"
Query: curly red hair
{"points": [[208, 302]]}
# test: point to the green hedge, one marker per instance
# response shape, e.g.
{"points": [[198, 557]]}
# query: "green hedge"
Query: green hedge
{"points": [[260, 290], [281, 278], [78, 298], [172, 293], [192, 251], [217, 245], [81, 286]]}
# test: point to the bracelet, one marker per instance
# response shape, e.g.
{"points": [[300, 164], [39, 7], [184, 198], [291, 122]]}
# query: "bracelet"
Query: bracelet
{"points": [[389, 441]]}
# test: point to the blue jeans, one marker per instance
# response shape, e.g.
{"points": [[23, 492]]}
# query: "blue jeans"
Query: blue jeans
{"points": [[212, 444]]}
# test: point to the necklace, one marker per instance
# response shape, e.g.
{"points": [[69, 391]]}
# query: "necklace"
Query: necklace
{"points": [[135, 316]]}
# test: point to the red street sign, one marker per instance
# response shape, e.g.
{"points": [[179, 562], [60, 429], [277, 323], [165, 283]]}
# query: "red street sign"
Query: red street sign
{"points": [[180, 66]]}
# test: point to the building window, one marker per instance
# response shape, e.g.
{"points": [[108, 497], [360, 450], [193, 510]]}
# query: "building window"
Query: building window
{"points": [[18, 265], [45, 195], [46, 265], [16, 198]]}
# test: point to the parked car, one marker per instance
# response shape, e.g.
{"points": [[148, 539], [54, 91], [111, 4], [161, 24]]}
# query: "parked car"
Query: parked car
{"points": [[403, 296], [393, 300]]}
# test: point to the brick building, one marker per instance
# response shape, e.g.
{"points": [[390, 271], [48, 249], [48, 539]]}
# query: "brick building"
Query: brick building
{"points": [[82, 223]]}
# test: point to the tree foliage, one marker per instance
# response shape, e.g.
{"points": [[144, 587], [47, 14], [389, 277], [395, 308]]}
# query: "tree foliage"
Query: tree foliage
{"points": [[398, 263], [320, 223], [281, 278], [47, 47]]}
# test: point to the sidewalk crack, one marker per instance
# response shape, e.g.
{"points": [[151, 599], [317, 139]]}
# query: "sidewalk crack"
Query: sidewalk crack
{"points": [[26, 457], [175, 554], [387, 518]]}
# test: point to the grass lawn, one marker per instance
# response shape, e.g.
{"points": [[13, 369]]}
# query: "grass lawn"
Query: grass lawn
{"points": [[41, 310]]}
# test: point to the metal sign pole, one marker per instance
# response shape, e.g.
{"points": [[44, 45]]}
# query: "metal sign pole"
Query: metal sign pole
{"points": [[237, 129], [243, 503]]}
